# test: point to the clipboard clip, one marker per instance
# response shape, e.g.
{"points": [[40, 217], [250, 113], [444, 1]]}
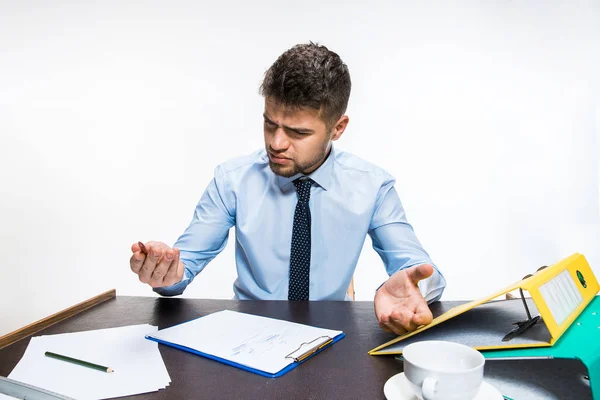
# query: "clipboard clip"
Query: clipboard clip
{"points": [[314, 346], [522, 326]]}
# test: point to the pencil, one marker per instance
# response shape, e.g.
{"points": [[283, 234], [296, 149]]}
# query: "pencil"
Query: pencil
{"points": [[142, 247], [78, 362]]}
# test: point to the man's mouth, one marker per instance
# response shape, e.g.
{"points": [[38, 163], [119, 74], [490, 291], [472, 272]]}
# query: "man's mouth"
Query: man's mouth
{"points": [[278, 159]]}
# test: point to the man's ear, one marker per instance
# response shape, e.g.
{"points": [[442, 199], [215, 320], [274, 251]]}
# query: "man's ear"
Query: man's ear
{"points": [[339, 127]]}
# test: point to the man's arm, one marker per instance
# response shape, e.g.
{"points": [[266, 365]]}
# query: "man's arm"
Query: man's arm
{"points": [[399, 248], [396, 243], [401, 302], [207, 234]]}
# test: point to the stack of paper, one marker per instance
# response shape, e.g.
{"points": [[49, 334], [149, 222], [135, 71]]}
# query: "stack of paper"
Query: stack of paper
{"points": [[137, 363]]}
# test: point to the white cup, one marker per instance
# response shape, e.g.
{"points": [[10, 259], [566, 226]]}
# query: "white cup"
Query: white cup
{"points": [[440, 370]]}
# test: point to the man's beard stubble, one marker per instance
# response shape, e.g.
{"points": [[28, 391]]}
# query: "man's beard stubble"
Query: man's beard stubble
{"points": [[283, 171], [295, 168]]}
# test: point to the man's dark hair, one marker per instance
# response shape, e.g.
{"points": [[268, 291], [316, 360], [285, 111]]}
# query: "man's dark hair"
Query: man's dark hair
{"points": [[310, 75]]}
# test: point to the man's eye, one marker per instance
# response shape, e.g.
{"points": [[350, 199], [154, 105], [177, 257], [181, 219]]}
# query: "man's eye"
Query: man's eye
{"points": [[301, 133]]}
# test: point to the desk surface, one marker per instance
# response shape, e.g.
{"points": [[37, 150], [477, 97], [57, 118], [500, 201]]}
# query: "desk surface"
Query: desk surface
{"points": [[343, 371]]}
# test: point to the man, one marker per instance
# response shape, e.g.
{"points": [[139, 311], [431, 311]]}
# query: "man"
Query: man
{"points": [[302, 209]]}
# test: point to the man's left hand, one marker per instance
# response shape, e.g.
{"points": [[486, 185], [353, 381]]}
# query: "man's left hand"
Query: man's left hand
{"points": [[399, 304]]}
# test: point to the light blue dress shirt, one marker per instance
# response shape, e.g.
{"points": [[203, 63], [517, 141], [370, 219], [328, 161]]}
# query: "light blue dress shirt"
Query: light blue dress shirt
{"points": [[350, 199]]}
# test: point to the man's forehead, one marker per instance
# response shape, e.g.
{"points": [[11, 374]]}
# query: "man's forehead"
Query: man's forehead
{"points": [[274, 108]]}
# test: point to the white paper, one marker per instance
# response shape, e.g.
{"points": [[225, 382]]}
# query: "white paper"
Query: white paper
{"points": [[256, 342], [137, 363]]}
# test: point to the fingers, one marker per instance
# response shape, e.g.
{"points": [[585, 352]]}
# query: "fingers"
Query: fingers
{"points": [[419, 272], [175, 272], [402, 320], [136, 261], [160, 271], [397, 320], [391, 325], [143, 248], [150, 263], [384, 327], [135, 247], [422, 315], [401, 315], [156, 264]]}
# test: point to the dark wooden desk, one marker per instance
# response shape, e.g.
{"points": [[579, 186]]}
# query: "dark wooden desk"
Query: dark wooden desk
{"points": [[343, 371]]}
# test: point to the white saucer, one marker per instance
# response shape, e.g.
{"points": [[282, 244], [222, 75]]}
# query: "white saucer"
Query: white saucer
{"points": [[398, 388]]}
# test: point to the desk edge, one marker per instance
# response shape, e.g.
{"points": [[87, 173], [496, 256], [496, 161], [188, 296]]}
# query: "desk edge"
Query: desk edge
{"points": [[44, 323]]}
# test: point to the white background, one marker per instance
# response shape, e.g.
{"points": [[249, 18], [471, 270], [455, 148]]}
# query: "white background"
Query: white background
{"points": [[114, 114]]}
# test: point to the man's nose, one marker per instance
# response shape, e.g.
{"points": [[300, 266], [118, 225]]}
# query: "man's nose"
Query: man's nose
{"points": [[280, 141]]}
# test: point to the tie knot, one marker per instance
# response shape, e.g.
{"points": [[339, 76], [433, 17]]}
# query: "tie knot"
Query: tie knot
{"points": [[303, 189]]}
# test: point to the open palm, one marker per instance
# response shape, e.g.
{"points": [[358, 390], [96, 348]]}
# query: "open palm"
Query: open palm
{"points": [[399, 304]]}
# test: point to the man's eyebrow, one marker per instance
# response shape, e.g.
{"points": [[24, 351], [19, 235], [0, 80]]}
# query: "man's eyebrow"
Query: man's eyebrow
{"points": [[268, 119], [298, 130]]}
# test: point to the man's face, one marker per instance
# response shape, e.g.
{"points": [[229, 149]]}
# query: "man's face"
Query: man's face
{"points": [[296, 140]]}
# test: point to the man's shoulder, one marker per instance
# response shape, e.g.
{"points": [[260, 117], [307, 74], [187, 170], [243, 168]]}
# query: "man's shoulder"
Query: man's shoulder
{"points": [[352, 162], [243, 163]]}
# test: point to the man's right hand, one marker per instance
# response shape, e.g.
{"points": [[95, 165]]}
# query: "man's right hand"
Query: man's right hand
{"points": [[160, 267]]}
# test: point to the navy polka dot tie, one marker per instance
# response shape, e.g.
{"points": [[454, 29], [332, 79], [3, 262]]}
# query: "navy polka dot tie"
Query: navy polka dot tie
{"points": [[300, 253]]}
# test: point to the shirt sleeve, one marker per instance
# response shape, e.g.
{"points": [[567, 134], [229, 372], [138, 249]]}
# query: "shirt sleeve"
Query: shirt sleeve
{"points": [[207, 234], [396, 243]]}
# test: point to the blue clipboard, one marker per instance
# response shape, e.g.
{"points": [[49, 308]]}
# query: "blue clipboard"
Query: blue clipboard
{"points": [[285, 370], [314, 341]]}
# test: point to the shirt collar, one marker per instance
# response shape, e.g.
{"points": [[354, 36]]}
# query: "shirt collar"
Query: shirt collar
{"points": [[321, 176]]}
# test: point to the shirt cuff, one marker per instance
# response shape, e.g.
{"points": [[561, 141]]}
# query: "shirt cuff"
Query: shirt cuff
{"points": [[432, 287], [175, 289]]}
